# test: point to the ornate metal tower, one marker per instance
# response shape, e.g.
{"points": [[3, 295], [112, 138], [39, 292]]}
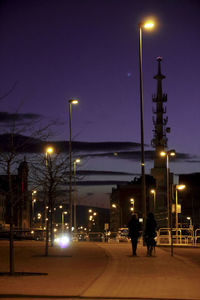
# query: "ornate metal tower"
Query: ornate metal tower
{"points": [[159, 142]]}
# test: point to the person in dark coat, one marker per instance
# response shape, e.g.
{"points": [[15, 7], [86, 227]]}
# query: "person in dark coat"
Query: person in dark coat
{"points": [[134, 232], [150, 233]]}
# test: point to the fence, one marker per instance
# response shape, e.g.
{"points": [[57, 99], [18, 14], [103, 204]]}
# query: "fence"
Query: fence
{"points": [[179, 236]]}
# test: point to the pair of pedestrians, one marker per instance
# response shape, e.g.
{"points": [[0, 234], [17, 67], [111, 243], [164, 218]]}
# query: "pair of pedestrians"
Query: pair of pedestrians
{"points": [[148, 235]]}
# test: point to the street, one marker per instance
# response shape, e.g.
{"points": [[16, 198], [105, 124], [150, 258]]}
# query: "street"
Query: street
{"points": [[90, 270]]}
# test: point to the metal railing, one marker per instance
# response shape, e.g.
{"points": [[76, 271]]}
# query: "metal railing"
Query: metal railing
{"points": [[180, 236]]}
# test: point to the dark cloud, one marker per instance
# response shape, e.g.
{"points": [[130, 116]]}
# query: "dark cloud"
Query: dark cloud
{"points": [[104, 173], [117, 150], [100, 182], [6, 117], [136, 155]]}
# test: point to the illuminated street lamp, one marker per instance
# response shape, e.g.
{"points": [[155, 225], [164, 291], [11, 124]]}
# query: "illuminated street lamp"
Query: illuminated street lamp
{"points": [[76, 161], [117, 206], [48, 152], [141, 25], [190, 219], [132, 208], [179, 187], [153, 192], [71, 102], [34, 192], [168, 154], [63, 219]]}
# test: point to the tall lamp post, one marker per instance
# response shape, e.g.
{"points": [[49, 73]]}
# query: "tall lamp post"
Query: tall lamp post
{"points": [[76, 161], [71, 102], [34, 192], [179, 187], [153, 192], [48, 152], [63, 219], [167, 154], [117, 206], [141, 25]]}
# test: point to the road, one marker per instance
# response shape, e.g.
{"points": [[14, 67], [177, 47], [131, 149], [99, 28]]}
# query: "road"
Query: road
{"points": [[100, 270]]}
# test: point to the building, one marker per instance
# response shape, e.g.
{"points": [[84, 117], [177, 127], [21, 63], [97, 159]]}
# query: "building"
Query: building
{"points": [[127, 199], [189, 199], [20, 200]]}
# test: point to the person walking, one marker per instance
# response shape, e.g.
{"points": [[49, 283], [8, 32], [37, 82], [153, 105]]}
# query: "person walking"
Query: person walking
{"points": [[150, 233], [134, 232]]}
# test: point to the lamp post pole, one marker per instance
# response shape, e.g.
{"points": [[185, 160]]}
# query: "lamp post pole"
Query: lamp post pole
{"points": [[143, 187], [72, 101], [178, 187], [75, 193], [169, 202], [141, 25]]}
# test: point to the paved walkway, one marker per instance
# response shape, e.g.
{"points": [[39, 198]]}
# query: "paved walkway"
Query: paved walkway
{"points": [[97, 270]]}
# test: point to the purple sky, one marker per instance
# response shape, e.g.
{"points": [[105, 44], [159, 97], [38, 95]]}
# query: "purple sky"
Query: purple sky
{"points": [[88, 49]]}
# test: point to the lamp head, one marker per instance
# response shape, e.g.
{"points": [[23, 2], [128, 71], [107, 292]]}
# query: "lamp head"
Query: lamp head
{"points": [[180, 187], [163, 153], [172, 152], [73, 101], [149, 24], [49, 150]]}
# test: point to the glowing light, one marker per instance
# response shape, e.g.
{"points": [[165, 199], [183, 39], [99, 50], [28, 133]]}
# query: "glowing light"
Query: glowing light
{"points": [[149, 25], [163, 153], [73, 101], [63, 241], [180, 187], [49, 150]]}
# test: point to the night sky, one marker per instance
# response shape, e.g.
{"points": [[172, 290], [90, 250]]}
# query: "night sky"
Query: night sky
{"points": [[54, 50]]}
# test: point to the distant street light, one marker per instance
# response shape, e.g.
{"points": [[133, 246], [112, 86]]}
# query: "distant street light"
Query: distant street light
{"points": [[153, 192], [71, 102], [117, 206], [132, 208], [146, 25], [76, 161], [167, 154], [49, 151], [63, 219], [178, 188]]}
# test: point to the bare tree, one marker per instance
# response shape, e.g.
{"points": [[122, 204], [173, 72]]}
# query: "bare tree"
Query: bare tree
{"points": [[49, 172], [13, 145]]}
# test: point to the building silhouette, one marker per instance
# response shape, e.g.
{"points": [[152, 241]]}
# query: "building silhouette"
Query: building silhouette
{"points": [[21, 203]]}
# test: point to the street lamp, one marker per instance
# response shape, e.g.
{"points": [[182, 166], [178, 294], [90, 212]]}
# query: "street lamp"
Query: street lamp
{"points": [[34, 192], [153, 192], [190, 219], [63, 219], [178, 188], [132, 202], [167, 154], [117, 206], [76, 161], [71, 102], [48, 152], [141, 25]]}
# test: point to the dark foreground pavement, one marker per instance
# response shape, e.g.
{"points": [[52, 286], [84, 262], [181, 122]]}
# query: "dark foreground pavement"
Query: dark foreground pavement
{"points": [[98, 271]]}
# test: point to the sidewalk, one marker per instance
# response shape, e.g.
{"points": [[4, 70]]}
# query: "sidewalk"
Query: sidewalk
{"points": [[98, 270]]}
